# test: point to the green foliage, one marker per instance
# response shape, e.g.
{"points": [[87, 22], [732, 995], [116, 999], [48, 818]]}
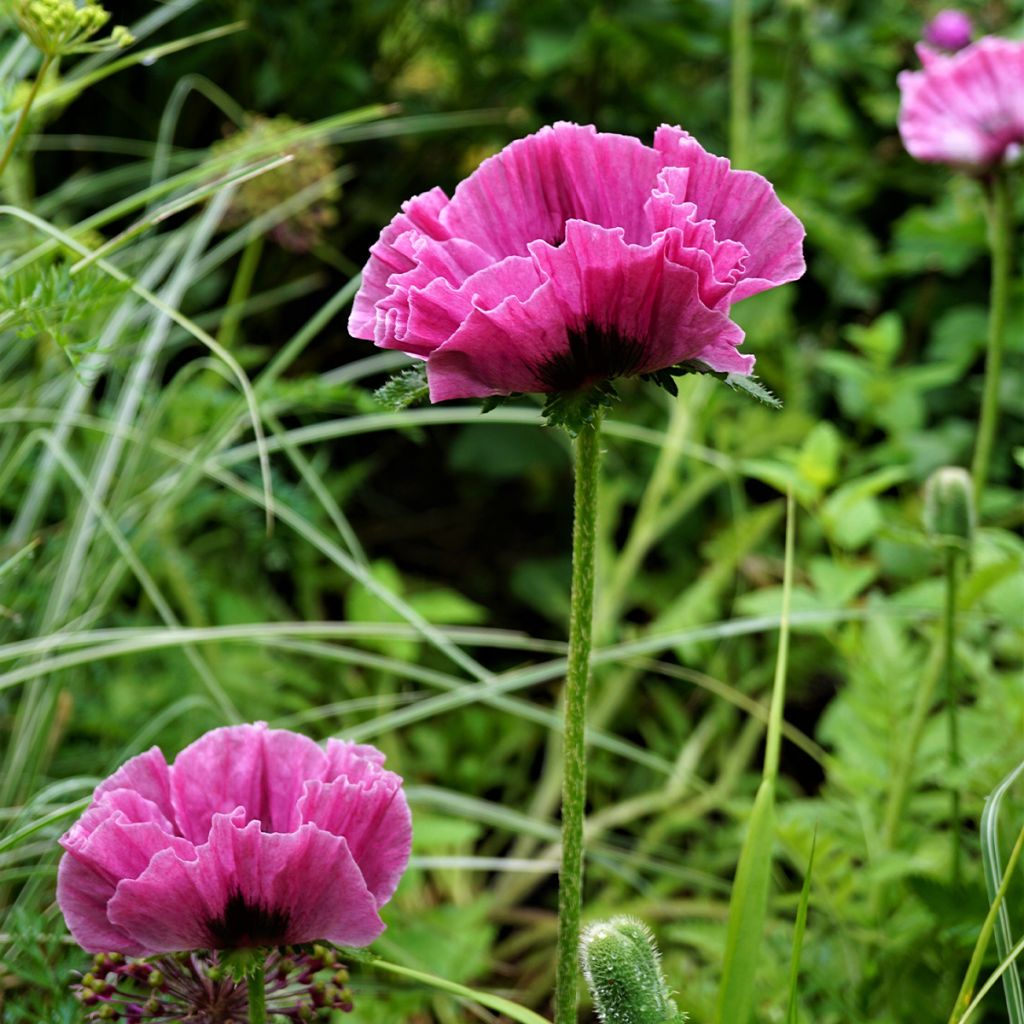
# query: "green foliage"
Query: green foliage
{"points": [[404, 389], [410, 590]]}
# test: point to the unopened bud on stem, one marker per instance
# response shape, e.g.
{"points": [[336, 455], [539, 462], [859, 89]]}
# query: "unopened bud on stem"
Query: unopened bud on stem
{"points": [[949, 506], [622, 966]]}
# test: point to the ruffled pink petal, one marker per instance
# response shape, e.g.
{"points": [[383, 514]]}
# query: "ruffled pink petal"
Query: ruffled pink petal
{"points": [[259, 769], [249, 888], [354, 761], [967, 109], [744, 208], [446, 264], [500, 351], [116, 839], [83, 896], [604, 309], [126, 804], [532, 187], [148, 775], [370, 810], [418, 214]]}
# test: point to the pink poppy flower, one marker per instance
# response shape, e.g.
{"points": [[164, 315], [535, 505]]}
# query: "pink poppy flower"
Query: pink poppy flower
{"points": [[966, 109], [949, 30], [573, 257], [253, 837]]}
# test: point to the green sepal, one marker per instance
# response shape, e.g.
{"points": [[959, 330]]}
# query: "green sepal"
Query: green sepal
{"points": [[409, 387], [575, 410], [493, 402], [737, 381], [240, 963]]}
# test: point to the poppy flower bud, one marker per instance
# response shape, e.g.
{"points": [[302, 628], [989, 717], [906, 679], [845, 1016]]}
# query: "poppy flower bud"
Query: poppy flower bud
{"points": [[949, 30], [622, 966], [949, 505]]}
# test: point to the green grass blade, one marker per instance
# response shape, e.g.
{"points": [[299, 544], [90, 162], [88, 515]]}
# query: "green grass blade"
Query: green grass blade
{"points": [[748, 907], [512, 1010], [977, 957], [993, 881], [798, 937]]}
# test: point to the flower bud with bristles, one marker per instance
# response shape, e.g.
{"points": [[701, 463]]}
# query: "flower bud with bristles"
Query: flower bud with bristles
{"points": [[622, 965], [949, 506]]}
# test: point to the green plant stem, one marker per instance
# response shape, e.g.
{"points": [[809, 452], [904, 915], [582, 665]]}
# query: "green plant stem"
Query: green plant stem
{"points": [[256, 986], [574, 779], [953, 731], [23, 116], [739, 84], [1000, 235], [241, 287]]}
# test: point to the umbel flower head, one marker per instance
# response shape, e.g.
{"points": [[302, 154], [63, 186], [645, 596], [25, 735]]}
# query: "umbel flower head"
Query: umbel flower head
{"points": [[308, 984], [312, 163], [254, 837], [967, 109], [574, 257], [62, 27], [950, 30]]}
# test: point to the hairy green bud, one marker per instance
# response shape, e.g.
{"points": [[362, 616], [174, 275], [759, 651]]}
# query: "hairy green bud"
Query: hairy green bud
{"points": [[622, 965], [949, 506]]}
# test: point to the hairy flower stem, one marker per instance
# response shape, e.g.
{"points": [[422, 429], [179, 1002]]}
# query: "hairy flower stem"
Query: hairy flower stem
{"points": [[574, 776], [23, 116], [953, 731], [257, 989], [1000, 236]]}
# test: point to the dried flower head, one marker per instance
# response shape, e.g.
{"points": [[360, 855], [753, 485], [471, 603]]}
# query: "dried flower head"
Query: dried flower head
{"points": [[254, 837], [312, 164]]}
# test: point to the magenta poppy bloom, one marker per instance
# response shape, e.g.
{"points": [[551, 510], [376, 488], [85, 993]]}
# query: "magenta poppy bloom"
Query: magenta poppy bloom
{"points": [[253, 837], [949, 30], [966, 109], [573, 257]]}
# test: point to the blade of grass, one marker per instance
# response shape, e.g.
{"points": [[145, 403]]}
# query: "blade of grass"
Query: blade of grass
{"points": [[513, 1010], [992, 863], [748, 905], [980, 947], [798, 937]]}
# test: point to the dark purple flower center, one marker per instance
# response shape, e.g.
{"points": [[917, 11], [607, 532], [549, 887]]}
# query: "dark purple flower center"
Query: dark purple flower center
{"points": [[244, 924], [595, 354]]}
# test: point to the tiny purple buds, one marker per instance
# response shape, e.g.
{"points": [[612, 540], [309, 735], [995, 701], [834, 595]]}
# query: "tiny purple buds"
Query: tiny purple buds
{"points": [[949, 30], [307, 985]]}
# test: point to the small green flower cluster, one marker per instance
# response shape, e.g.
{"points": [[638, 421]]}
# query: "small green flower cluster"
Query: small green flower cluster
{"points": [[62, 27]]}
